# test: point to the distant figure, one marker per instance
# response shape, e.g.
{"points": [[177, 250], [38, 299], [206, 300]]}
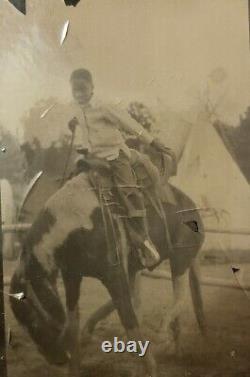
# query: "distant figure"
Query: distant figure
{"points": [[139, 112], [34, 155], [165, 160]]}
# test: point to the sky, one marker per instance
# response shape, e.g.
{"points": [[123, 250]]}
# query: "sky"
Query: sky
{"points": [[168, 53]]}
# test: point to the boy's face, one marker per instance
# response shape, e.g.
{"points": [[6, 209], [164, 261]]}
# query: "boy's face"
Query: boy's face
{"points": [[82, 91]]}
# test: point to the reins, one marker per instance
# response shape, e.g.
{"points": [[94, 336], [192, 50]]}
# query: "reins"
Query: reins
{"points": [[68, 157]]}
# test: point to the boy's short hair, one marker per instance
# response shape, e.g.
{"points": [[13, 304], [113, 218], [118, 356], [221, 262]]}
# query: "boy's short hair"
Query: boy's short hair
{"points": [[81, 74]]}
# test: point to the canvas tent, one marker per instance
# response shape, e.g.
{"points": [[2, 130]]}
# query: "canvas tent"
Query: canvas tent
{"points": [[209, 175]]}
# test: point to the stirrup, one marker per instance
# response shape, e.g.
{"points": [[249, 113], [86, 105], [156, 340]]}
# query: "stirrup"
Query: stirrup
{"points": [[149, 256]]}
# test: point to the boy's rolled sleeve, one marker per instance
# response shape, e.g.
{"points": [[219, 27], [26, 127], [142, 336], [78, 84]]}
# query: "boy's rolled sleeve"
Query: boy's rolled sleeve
{"points": [[128, 124]]}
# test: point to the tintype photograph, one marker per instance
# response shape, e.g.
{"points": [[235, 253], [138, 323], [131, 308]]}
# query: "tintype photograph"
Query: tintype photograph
{"points": [[124, 181]]}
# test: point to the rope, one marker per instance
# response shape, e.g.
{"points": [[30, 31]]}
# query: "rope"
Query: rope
{"points": [[68, 157]]}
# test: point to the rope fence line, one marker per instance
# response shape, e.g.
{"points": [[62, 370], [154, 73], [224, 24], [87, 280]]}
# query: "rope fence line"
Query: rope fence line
{"points": [[23, 227], [15, 228], [212, 282]]}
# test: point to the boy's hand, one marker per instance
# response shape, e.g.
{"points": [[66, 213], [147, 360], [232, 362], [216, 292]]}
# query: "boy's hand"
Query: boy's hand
{"points": [[160, 147], [72, 124]]}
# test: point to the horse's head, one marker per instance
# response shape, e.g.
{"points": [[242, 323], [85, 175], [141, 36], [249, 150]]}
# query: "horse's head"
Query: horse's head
{"points": [[40, 309], [42, 312]]}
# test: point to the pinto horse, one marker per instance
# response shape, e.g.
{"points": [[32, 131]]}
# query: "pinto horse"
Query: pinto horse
{"points": [[68, 236]]}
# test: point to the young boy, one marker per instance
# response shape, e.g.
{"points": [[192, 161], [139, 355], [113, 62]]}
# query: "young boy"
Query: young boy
{"points": [[101, 130]]}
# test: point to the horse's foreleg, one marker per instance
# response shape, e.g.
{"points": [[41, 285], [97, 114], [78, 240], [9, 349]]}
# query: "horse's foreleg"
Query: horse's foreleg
{"points": [[119, 290], [73, 342], [194, 280], [70, 334]]}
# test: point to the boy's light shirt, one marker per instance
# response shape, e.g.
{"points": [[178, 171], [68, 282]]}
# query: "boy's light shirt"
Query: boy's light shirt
{"points": [[100, 129]]}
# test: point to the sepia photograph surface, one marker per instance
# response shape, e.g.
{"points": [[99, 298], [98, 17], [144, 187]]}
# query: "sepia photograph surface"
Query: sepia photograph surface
{"points": [[125, 188]]}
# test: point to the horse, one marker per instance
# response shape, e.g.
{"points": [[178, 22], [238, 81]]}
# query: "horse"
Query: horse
{"points": [[68, 236]]}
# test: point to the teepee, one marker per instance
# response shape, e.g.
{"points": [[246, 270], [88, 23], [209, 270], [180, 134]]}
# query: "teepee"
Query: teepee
{"points": [[209, 175]]}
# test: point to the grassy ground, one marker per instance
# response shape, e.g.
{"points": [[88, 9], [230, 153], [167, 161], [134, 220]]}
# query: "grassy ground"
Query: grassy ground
{"points": [[226, 353]]}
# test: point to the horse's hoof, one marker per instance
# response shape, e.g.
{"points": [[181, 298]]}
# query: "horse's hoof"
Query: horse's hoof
{"points": [[166, 337]]}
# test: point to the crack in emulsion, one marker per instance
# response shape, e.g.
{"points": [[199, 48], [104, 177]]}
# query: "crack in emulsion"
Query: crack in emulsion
{"points": [[18, 296], [193, 225], [71, 2]]}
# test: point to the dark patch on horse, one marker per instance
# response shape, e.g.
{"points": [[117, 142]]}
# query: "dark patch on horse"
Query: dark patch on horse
{"points": [[92, 258], [42, 225]]}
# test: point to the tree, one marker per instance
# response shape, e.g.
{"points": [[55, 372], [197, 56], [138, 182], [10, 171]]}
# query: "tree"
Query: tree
{"points": [[12, 162], [46, 136]]}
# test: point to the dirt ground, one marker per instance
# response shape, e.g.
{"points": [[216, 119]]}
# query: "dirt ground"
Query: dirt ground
{"points": [[225, 353]]}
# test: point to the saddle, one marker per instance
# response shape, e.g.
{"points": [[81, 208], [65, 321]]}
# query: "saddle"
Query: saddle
{"points": [[113, 213], [100, 176]]}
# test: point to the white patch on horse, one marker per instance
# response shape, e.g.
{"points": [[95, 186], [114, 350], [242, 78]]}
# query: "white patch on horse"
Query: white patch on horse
{"points": [[72, 207]]}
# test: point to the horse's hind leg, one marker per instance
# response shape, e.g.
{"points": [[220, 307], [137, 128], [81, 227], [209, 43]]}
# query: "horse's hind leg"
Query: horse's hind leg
{"points": [[172, 322], [135, 289], [100, 314], [179, 289], [194, 280]]}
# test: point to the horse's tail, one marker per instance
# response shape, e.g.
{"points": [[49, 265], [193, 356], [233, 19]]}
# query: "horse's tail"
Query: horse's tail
{"points": [[41, 312], [195, 286]]}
